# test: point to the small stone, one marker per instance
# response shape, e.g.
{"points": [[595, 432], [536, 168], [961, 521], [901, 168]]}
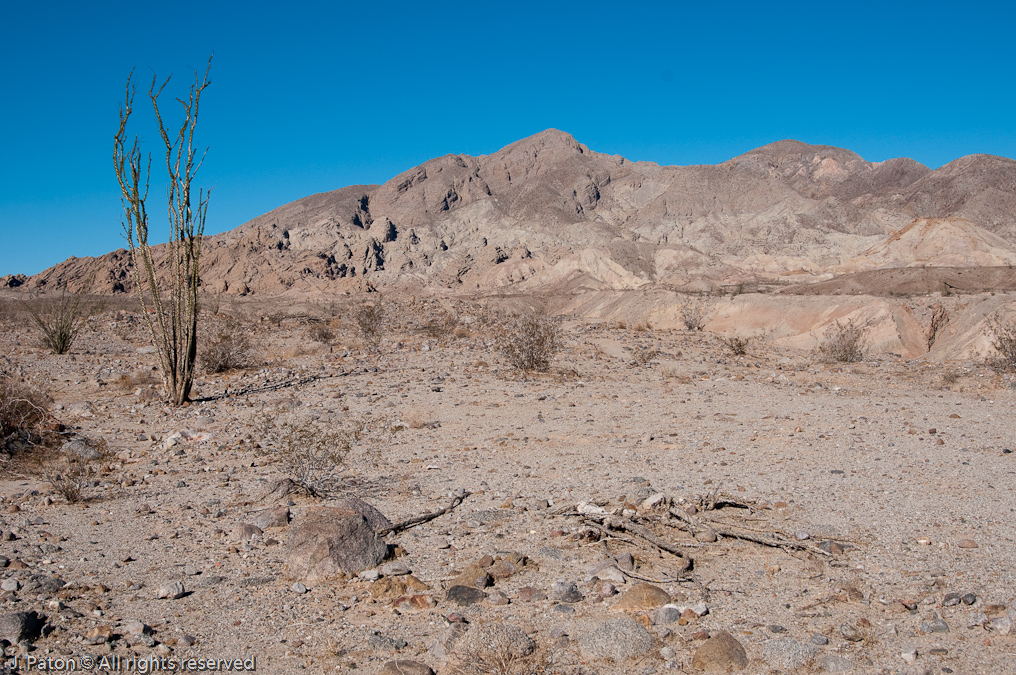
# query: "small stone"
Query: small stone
{"points": [[776, 628], [474, 576], [369, 575], [831, 663], [667, 614], [938, 651], [465, 595], [396, 568], [643, 596], [966, 543], [801, 535], [706, 536], [721, 653], [951, 599], [10, 584], [818, 639], [851, 633], [531, 594], [909, 655], [667, 654], [171, 591], [1002, 625], [414, 602], [18, 627], [565, 609], [136, 628], [969, 598], [497, 598], [299, 588], [404, 667], [387, 589], [565, 591], [625, 562], [830, 546], [186, 640]]}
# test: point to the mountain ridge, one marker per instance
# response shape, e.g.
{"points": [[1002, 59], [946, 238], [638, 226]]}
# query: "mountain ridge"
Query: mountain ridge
{"points": [[465, 223]]}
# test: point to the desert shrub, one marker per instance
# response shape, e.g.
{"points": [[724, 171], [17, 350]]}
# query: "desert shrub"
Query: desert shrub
{"points": [[60, 320], [442, 326], [312, 456], [527, 341], [694, 313], [370, 323], [231, 348], [842, 343], [71, 473], [23, 409], [320, 332], [136, 378], [642, 327], [737, 344], [1003, 341], [497, 648], [643, 355]]}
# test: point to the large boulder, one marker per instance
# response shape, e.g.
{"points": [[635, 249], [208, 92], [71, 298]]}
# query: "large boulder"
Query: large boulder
{"points": [[377, 520], [325, 541]]}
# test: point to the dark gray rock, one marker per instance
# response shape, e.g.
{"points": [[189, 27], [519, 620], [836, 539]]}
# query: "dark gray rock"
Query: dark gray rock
{"points": [[18, 627], [465, 595], [325, 541]]}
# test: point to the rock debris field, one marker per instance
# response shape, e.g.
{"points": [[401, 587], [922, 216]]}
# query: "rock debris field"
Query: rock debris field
{"points": [[683, 511]]}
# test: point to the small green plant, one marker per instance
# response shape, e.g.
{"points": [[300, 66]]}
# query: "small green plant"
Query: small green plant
{"points": [[60, 320], [843, 343]]}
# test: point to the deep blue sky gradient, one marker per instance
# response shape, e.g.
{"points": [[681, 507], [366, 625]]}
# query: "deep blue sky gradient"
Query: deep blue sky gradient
{"points": [[313, 97]]}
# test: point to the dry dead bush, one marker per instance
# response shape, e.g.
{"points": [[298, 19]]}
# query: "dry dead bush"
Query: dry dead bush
{"points": [[230, 348], [642, 327], [320, 331], [527, 341], [694, 313], [843, 343], [643, 355], [737, 344], [497, 649], [23, 409], [312, 456], [441, 326], [951, 377], [60, 320], [370, 322], [136, 378], [1003, 341], [418, 419], [70, 475]]}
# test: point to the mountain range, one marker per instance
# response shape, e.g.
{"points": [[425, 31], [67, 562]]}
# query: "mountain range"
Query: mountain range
{"points": [[547, 214]]}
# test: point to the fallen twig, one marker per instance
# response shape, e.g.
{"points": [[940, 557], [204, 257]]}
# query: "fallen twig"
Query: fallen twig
{"points": [[427, 517]]}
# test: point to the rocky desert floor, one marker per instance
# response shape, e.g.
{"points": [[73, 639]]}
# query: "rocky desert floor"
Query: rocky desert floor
{"points": [[821, 517]]}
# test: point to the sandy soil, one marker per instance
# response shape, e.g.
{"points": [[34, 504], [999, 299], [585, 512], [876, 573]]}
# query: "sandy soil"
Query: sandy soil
{"points": [[893, 461]]}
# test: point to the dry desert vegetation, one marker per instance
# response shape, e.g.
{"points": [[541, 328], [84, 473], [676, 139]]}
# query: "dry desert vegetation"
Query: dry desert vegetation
{"points": [[636, 499]]}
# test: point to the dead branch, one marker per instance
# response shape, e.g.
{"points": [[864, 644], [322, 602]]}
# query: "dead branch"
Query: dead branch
{"points": [[425, 518], [775, 540], [639, 531]]}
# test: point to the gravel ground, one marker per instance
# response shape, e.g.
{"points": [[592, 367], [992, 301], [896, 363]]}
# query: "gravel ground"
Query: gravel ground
{"points": [[902, 468]]}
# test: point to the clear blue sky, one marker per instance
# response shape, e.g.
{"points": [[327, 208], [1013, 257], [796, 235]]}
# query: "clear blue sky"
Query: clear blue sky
{"points": [[311, 97]]}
